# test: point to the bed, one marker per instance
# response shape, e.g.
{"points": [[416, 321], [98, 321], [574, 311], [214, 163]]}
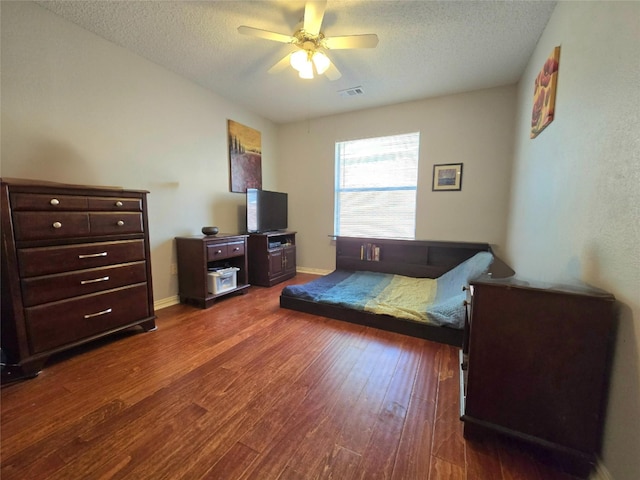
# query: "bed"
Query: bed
{"points": [[407, 286]]}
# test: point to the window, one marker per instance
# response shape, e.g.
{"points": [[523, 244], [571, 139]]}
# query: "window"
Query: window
{"points": [[376, 184]]}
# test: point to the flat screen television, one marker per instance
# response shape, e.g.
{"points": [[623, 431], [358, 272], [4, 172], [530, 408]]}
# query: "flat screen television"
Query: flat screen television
{"points": [[266, 211]]}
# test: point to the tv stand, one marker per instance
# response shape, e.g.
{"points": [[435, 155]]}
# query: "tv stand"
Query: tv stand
{"points": [[272, 257]]}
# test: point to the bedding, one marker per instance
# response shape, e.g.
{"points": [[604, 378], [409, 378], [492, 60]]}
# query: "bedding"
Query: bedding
{"points": [[438, 302]]}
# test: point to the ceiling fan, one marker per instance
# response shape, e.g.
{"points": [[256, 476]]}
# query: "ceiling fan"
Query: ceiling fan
{"points": [[311, 44]]}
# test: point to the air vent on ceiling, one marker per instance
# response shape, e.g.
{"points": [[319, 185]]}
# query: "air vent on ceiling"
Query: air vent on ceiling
{"points": [[351, 92]]}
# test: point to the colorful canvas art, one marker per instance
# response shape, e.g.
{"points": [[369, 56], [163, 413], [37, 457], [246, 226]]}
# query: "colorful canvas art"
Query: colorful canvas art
{"points": [[544, 94], [245, 157]]}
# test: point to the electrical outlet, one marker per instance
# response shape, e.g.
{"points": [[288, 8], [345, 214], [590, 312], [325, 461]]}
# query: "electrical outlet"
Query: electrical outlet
{"points": [[174, 269]]}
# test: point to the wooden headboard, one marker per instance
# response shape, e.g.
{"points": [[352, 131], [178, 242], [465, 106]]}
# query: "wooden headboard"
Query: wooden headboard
{"points": [[413, 258]]}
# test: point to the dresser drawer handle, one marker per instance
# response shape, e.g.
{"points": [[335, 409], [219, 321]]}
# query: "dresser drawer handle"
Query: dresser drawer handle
{"points": [[97, 314], [93, 255], [57, 225], [54, 201], [118, 203], [236, 249], [218, 252], [120, 223], [94, 280]]}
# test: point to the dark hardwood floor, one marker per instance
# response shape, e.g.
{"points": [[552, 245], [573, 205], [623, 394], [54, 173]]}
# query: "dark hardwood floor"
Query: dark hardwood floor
{"points": [[246, 390]]}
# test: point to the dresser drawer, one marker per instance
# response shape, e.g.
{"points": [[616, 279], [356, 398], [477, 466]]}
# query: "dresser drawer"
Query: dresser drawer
{"points": [[47, 260], [216, 251], [55, 324], [50, 288], [115, 204], [50, 225], [115, 223], [45, 202]]}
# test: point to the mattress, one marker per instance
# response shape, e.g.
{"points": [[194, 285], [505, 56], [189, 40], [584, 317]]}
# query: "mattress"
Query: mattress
{"points": [[438, 302]]}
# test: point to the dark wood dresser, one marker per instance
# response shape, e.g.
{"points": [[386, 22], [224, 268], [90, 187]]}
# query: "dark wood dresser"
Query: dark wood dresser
{"points": [[75, 267], [538, 367]]}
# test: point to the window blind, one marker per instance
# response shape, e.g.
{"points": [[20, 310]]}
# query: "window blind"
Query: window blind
{"points": [[375, 186]]}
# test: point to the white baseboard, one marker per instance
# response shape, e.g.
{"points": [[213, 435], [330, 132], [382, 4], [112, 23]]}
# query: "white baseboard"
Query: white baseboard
{"points": [[600, 472], [166, 302], [313, 271]]}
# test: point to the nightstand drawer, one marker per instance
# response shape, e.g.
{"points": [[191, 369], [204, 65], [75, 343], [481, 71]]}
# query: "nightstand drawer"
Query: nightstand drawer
{"points": [[47, 260], [60, 323], [50, 288], [217, 251], [235, 249]]}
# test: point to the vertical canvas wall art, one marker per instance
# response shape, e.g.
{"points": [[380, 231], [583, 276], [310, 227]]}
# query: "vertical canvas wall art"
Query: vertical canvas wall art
{"points": [[245, 157], [544, 94]]}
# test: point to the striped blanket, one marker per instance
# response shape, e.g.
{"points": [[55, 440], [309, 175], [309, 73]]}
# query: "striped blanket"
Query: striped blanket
{"points": [[434, 301]]}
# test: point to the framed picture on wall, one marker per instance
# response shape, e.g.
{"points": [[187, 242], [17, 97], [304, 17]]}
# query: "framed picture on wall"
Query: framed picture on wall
{"points": [[447, 176], [245, 157]]}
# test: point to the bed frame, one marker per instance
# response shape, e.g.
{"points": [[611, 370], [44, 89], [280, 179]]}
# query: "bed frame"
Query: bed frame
{"points": [[412, 258]]}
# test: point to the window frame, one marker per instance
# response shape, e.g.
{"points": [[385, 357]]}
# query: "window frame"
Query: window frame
{"points": [[413, 145]]}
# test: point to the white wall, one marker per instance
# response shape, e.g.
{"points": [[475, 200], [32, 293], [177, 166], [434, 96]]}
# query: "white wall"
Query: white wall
{"points": [[473, 128], [79, 109], [575, 209]]}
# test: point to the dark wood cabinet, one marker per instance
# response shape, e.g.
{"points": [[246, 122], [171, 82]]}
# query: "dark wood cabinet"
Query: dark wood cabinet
{"points": [[272, 257], [200, 256], [75, 267], [537, 367]]}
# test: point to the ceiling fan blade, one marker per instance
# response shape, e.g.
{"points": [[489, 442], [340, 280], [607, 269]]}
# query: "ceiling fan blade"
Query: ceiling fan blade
{"points": [[332, 72], [368, 40], [313, 15], [257, 32], [281, 65]]}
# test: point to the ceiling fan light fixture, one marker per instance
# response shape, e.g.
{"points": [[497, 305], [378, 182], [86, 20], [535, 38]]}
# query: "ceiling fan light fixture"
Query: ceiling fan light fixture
{"points": [[321, 61], [299, 60], [311, 42], [307, 71]]}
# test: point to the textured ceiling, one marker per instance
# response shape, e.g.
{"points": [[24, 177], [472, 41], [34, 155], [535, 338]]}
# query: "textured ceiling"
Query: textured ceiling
{"points": [[425, 49]]}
